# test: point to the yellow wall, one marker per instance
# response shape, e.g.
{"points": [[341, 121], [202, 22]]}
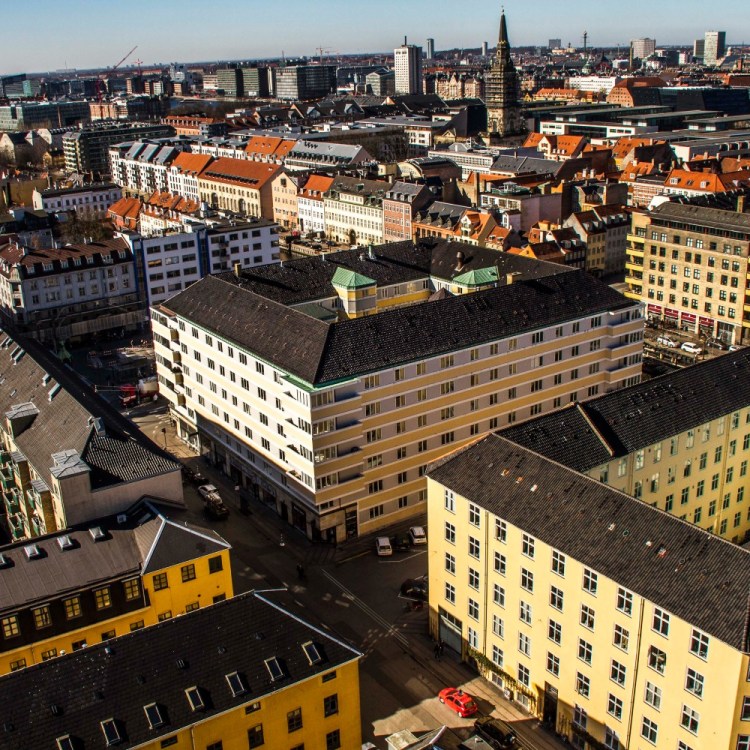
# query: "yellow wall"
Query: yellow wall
{"points": [[231, 728], [174, 600]]}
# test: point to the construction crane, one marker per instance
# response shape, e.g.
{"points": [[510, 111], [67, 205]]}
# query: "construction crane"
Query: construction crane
{"points": [[100, 81], [322, 51]]}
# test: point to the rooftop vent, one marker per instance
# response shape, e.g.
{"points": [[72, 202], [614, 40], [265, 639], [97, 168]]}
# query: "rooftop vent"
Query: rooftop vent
{"points": [[97, 533], [47, 377], [181, 664], [65, 542], [32, 551], [122, 518], [54, 391]]}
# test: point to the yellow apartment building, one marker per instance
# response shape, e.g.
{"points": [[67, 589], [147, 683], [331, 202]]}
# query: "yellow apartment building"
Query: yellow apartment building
{"points": [[245, 673], [688, 264], [326, 386], [615, 623], [680, 442], [239, 185], [65, 591]]}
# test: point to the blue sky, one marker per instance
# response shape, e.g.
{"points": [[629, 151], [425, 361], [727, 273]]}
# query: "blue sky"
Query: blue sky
{"points": [[50, 34]]}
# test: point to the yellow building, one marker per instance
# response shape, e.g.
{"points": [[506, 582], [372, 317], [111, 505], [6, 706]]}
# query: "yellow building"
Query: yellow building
{"points": [[689, 265], [239, 185], [248, 672], [65, 591], [326, 386], [679, 443], [617, 624]]}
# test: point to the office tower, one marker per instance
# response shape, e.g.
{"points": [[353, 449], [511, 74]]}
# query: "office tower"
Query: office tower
{"points": [[714, 47], [485, 49], [430, 49], [408, 67], [699, 47], [643, 48], [554, 43]]}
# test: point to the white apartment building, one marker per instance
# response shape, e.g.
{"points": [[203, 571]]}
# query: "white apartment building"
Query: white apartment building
{"points": [[325, 386], [408, 68], [183, 173], [354, 210], [88, 201], [597, 84], [169, 263], [141, 167], [310, 204]]}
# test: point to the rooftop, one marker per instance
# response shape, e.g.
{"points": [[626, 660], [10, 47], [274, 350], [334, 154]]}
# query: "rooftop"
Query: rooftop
{"points": [[695, 575]]}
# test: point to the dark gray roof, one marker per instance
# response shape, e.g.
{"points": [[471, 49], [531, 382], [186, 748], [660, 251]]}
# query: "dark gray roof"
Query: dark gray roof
{"points": [[148, 537], [715, 218], [695, 575], [589, 434], [65, 421], [318, 352], [158, 664], [525, 165]]}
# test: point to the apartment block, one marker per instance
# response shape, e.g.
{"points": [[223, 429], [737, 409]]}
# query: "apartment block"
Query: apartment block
{"points": [[238, 185], [63, 462], [688, 264], [87, 201], [354, 210], [63, 293], [150, 566], [183, 173], [141, 167], [251, 671], [311, 204], [604, 230], [614, 623], [326, 385], [400, 206], [678, 443]]}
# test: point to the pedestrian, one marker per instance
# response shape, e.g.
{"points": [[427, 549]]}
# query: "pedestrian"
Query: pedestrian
{"points": [[300, 571], [437, 652], [441, 645]]}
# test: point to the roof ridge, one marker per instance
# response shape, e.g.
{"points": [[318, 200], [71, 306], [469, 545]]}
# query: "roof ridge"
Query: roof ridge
{"points": [[581, 408]]}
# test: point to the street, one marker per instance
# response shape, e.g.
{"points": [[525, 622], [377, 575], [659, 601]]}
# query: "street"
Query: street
{"points": [[356, 594]]}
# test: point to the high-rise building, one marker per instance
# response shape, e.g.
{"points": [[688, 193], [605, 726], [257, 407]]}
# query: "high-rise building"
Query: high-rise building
{"points": [[485, 49], [699, 47], [295, 82], [408, 67], [229, 80], [643, 48], [554, 43], [502, 90], [715, 47], [430, 49]]}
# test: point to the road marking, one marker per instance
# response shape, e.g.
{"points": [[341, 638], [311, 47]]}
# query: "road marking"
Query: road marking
{"points": [[369, 611], [402, 559]]}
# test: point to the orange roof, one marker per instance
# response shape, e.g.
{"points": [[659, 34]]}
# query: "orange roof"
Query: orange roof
{"points": [[193, 163], [126, 208], [171, 202], [317, 183], [241, 172], [704, 181], [269, 146], [624, 146], [533, 139], [641, 82]]}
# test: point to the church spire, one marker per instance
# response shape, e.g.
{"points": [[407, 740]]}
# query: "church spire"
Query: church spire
{"points": [[503, 45]]}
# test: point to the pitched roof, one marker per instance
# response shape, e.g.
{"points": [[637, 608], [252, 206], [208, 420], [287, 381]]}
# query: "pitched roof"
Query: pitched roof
{"points": [[146, 538], [126, 209], [269, 146], [629, 419], [117, 679], [189, 163], [693, 574], [240, 172], [316, 186]]}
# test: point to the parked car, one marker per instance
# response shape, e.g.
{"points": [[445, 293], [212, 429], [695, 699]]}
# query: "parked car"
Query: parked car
{"points": [[462, 703], [666, 341], [208, 491], [417, 535], [715, 344], [401, 543], [215, 509], [495, 732], [415, 589], [691, 348], [734, 348], [383, 546]]}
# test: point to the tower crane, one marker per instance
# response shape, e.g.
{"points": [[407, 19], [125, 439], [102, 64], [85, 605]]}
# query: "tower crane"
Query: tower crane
{"points": [[100, 81]]}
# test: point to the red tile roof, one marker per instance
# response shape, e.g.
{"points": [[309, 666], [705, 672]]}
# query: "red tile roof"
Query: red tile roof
{"points": [[241, 172]]}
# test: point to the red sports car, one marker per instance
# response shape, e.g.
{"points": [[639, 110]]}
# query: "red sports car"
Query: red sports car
{"points": [[462, 703]]}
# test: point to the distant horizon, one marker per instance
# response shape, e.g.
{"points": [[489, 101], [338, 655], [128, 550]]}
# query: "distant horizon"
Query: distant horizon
{"points": [[70, 37]]}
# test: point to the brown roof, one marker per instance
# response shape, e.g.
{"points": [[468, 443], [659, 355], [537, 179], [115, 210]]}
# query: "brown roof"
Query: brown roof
{"points": [[126, 208], [171, 202], [192, 163], [241, 172]]}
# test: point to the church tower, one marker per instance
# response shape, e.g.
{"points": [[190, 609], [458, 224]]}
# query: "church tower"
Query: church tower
{"points": [[502, 90]]}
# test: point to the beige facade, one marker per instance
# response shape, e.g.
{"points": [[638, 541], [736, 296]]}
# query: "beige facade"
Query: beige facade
{"points": [[689, 265]]}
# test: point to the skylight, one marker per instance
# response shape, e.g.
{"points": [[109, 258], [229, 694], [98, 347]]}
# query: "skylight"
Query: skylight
{"points": [[153, 714], [274, 668], [236, 684]]}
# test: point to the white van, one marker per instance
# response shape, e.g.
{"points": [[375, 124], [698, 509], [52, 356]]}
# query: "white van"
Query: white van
{"points": [[383, 546]]}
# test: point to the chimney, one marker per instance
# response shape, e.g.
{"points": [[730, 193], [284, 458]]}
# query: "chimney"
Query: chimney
{"points": [[237, 270]]}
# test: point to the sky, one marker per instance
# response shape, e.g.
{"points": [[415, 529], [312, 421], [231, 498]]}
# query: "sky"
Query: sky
{"points": [[46, 35]]}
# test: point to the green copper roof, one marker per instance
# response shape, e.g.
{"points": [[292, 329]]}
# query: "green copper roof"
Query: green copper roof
{"points": [[351, 280], [477, 278]]}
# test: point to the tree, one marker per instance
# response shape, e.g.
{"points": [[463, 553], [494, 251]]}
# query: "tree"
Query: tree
{"points": [[78, 230]]}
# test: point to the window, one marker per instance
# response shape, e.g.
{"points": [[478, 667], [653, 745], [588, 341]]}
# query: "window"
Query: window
{"points": [[473, 578], [497, 655], [657, 659], [583, 685], [294, 720], [649, 730], [42, 617], [331, 705], [614, 706], [617, 672], [474, 547], [498, 595], [556, 598], [689, 719], [553, 664], [10, 626], [554, 632], [558, 563], [450, 563], [525, 612], [255, 736], [590, 581], [622, 638], [660, 622], [500, 563], [187, 572], [72, 607], [102, 598], [498, 627], [652, 695], [585, 650], [524, 644], [699, 644], [450, 593], [132, 589], [694, 682], [450, 533], [501, 531], [527, 580], [160, 581], [450, 501], [333, 740], [474, 515], [527, 546], [624, 601], [524, 676], [587, 617], [215, 564]]}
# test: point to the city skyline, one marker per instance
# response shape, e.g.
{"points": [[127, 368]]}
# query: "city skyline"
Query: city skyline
{"points": [[72, 40]]}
